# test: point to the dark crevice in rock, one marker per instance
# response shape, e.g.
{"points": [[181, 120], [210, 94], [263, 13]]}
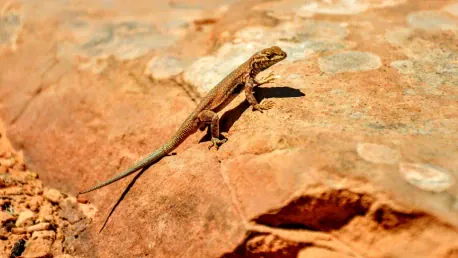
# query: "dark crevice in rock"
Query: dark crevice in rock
{"points": [[267, 246], [38, 91], [295, 226], [389, 218], [26, 105], [187, 88], [327, 211]]}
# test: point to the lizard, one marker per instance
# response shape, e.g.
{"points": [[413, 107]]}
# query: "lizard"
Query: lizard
{"points": [[205, 114]]}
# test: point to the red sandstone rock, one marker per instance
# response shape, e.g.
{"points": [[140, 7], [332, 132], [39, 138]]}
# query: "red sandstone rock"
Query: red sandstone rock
{"points": [[357, 159]]}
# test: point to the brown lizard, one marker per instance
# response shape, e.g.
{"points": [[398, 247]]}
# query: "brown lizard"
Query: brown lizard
{"points": [[242, 78]]}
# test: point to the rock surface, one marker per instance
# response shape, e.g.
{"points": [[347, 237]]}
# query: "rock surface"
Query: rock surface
{"points": [[359, 157], [23, 231]]}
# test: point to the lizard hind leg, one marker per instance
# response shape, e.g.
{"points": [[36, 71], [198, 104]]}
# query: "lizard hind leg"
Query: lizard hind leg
{"points": [[211, 118]]}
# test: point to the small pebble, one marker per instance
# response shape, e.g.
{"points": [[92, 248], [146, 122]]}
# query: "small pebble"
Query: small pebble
{"points": [[6, 155], [18, 231], [30, 190], [35, 203], [8, 162], [19, 166], [4, 233], [69, 210], [37, 186], [5, 217], [47, 234], [38, 227], [45, 213], [38, 248], [82, 199], [18, 176], [6, 180], [14, 190], [53, 195], [32, 175], [25, 218], [88, 210], [3, 170], [80, 226]]}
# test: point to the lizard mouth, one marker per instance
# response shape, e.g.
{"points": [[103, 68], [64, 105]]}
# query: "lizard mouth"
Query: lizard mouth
{"points": [[280, 57]]}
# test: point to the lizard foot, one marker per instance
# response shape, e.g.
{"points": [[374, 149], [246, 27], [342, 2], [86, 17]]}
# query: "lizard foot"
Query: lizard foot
{"points": [[269, 78], [264, 106], [216, 143]]}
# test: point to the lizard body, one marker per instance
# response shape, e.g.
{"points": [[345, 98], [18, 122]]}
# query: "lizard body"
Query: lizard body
{"points": [[242, 78]]}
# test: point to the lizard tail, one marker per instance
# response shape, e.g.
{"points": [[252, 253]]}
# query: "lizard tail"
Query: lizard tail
{"points": [[186, 128], [148, 160]]}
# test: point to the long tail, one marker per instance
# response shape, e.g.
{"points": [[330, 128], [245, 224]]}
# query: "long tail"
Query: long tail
{"points": [[148, 160], [185, 129]]}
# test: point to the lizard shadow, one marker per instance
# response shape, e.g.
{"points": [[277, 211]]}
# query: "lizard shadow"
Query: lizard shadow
{"points": [[228, 119], [124, 193]]}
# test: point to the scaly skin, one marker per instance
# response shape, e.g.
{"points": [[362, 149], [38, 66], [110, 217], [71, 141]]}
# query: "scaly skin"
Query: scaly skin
{"points": [[242, 78]]}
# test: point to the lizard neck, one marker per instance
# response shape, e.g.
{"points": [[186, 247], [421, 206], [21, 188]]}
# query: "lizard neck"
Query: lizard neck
{"points": [[254, 68]]}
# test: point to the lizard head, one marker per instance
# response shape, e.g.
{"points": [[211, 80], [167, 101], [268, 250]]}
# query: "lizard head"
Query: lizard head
{"points": [[266, 58]]}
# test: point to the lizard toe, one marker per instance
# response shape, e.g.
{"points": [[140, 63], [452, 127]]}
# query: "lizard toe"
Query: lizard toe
{"points": [[216, 143]]}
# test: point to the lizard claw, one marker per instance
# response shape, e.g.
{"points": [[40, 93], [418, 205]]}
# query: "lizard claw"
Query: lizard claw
{"points": [[264, 106], [216, 143], [269, 78]]}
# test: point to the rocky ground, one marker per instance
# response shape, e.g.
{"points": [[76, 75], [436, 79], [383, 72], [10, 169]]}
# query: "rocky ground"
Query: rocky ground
{"points": [[36, 221], [359, 157]]}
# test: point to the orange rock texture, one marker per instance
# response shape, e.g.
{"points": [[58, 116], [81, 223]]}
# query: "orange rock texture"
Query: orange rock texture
{"points": [[359, 157]]}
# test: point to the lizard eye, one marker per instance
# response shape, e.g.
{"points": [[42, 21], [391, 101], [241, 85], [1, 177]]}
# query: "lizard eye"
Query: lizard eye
{"points": [[269, 55]]}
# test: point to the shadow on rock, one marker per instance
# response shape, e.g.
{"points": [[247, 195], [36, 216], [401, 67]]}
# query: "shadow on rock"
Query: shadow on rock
{"points": [[229, 117]]}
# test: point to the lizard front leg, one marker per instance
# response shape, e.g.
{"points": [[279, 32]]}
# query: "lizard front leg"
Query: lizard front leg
{"points": [[211, 118], [269, 78], [250, 84]]}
